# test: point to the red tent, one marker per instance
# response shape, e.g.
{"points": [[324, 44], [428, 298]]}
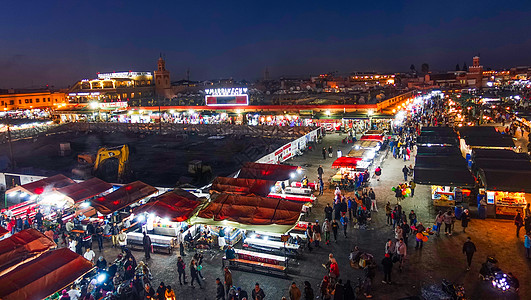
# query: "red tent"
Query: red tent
{"points": [[44, 185], [242, 186], [266, 171], [251, 210], [85, 190], [22, 246], [177, 205], [3, 231], [43, 276], [122, 197], [375, 137], [346, 162]]}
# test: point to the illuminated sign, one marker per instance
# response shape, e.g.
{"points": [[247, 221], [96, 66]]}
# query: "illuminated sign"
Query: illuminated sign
{"points": [[122, 75], [226, 97], [122, 104]]}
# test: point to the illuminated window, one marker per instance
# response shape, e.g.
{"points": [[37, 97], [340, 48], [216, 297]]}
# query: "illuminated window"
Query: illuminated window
{"points": [[12, 102], [37, 100], [20, 101]]}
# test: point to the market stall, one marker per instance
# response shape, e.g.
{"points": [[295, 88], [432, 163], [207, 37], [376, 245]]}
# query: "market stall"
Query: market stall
{"points": [[242, 186], [85, 190], [43, 276], [124, 196], [508, 191], [349, 170], [273, 172]]}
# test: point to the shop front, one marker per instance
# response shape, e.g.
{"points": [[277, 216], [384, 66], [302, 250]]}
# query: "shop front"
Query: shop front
{"points": [[507, 192]]}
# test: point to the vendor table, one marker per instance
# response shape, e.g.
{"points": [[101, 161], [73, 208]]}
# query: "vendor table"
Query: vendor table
{"points": [[272, 244], [261, 257]]}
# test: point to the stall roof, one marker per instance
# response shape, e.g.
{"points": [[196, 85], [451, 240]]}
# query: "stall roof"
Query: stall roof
{"points": [[358, 153], [23, 245], [242, 186], [366, 144], [40, 186], [506, 180], [499, 153], [3, 231], [437, 151], [435, 140], [484, 131], [43, 276], [177, 205], [502, 164], [122, 197], [250, 213], [459, 177], [372, 137], [438, 131], [274, 172], [497, 141], [436, 161], [346, 162], [85, 190]]}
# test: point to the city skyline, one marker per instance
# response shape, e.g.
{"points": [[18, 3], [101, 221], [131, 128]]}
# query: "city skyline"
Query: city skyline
{"points": [[60, 43]]}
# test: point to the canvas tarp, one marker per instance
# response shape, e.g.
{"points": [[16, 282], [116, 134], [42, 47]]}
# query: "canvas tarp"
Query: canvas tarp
{"points": [[3, 231], [250, 213], [346, 162], [506, 180], [445, 176], [122, 197], [43, 276], [242, 186], [22, 246], [436, 151], [266, 171], [176, 205], [44, 185], [435, 161], [499, 153], [372, 137], [85, 190]]}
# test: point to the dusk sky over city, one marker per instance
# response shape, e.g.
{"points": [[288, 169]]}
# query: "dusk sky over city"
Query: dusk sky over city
{"points": [[60, 42]]}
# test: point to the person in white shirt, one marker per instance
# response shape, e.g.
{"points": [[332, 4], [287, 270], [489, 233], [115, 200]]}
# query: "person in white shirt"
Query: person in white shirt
{"points": [[89, 255], [72, 245], [74, 293]]}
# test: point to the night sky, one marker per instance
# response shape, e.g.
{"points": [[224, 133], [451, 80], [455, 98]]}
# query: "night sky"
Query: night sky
{"points": [[60, 42]]}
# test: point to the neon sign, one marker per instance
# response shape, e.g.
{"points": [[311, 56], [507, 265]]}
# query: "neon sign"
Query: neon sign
{"points": [[226, 97]]}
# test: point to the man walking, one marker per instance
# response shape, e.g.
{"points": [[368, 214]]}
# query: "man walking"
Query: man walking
{"points": [[228, 279], [99, 237], [180, 239], [335, 227], [387, 263], [328, 211], [324, 153], [326, 231], [320, 172], [518, 222], [372, 196], [146, 242], [405, 170], [469, 249], [181, 267]]}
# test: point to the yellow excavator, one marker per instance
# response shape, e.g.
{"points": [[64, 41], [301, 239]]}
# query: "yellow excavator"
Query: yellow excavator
{"points": [[121, 153]]}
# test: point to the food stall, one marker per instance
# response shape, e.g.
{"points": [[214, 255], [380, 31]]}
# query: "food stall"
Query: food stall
{"points": [[367, 145], [508, 191], [348, 168], [448, 196]]}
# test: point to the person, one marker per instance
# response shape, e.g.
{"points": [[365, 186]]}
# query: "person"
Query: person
{"points": [[378, 173], [304, 181], [294, 292], [79, 244], [328, 211], [390, 247], [326, 230], [146, 243], [122, 239], [412, 186], [221, 238], [161, 291], [258, 293], [447, 219], [324, 153], [469, 249], [308, 291], [387, 263], [99, 237], [344, 222], [330, 151], [114, 232], [419, 230], [398, 194], [527, 244], [242, 294], [518, 222], [72, 244], [335, 227], [180, 239], [325, 287], [228, 279], [230, 253], [339, 290], [64, 295], [398, 232], [220, 291], [320, 172], [309, 236], [405, 170], [372, 196], [401, 250], [438, 221], [181, 268], [149, 292], [169, 294], [412, 218], [101, 264], [527, 210], [89, 254], [389, 219], [465, 218], [194, 274], [74, 292], [38, 219]]}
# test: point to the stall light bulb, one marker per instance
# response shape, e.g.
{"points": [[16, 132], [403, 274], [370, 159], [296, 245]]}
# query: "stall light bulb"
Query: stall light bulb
{"points": [[141, 218], [84, 205], [292, 175], [101, 278], [33, 197], [299, 170]]}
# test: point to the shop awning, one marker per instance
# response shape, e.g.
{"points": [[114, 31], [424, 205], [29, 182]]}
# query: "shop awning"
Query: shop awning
{"points": [[499, 153], [273, 172], [372, 137], [484, 131], [43, 276], [506, 180], [436, 161], [176, 205], [499, 141], [438, 131], [346, 162], [122, 197], [22, 246], [458, 177], [435, 140], [242, 186], [85, 190], [437, 151], [502, 164], [250, 213], [44, 185]]}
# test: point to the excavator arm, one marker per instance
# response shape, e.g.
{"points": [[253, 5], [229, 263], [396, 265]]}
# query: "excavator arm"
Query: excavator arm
{"points": [[121, 153]]}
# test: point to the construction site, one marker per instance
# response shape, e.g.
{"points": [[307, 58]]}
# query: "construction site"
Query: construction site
{"points": [[166, 155]]}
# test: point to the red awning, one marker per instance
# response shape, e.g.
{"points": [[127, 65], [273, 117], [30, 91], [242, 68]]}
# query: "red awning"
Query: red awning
{"points": [[43, 276], [22, 246], [346, 162], [374, 137], [3, 231], [44, 185], [85, 190], [242, 186], [122, 197], [177, 205], [252, 210], [274, 172]]}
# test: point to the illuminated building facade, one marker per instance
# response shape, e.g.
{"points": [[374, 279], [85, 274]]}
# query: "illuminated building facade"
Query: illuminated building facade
{"points": [[13, 100]]}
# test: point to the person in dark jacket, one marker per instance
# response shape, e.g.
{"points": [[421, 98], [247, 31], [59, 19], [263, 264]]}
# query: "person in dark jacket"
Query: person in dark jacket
{"points": [[328, 211], [337, 210], [405, 170], [518, 222], [257, 292], [339, 290], [465, 218], [308, 291], [220, 290], [149, 292], [241, 294], [349, 291], [146, 242], [161, 292], [469, 249], [387, 263], [181, 269], [99, 237]]}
